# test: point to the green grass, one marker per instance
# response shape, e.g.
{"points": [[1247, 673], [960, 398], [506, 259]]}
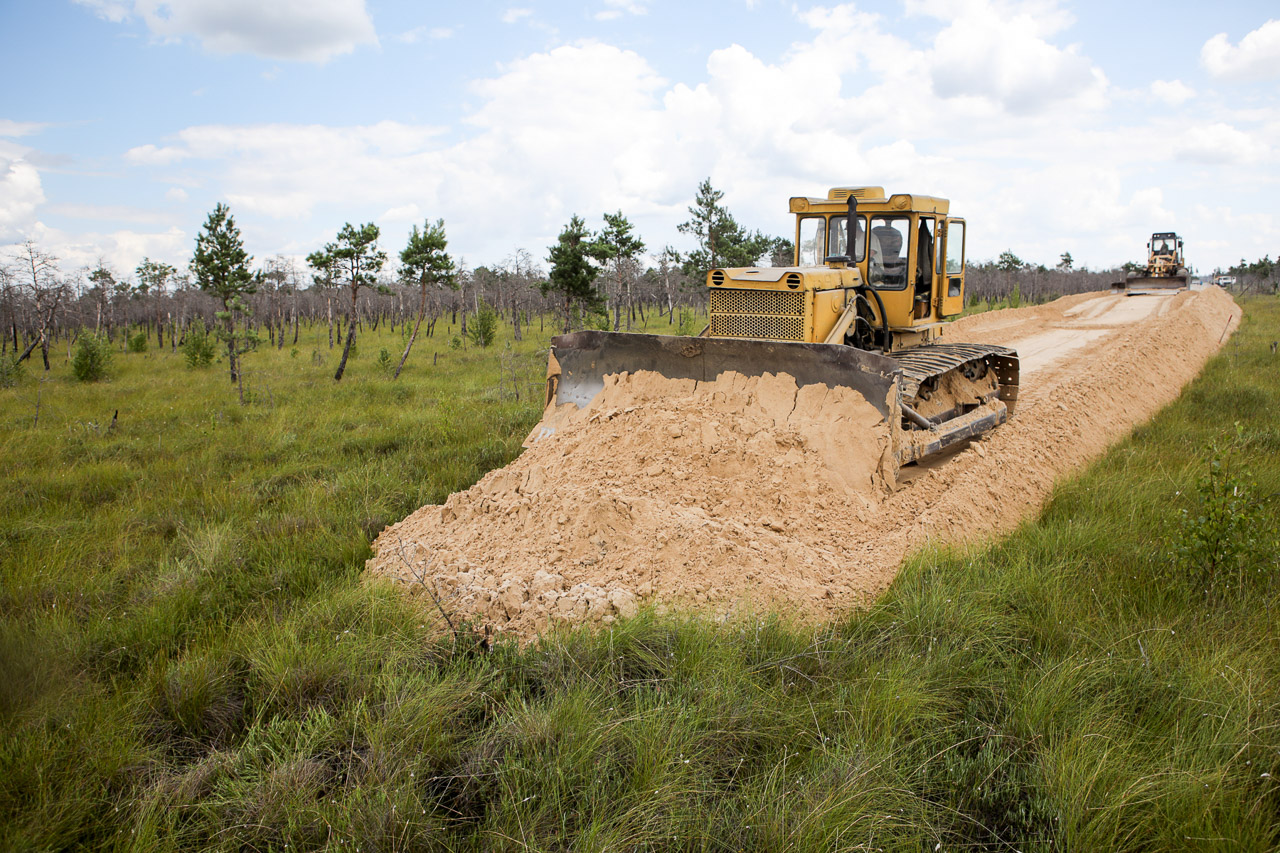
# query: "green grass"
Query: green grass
{"points": [[189, 657]]}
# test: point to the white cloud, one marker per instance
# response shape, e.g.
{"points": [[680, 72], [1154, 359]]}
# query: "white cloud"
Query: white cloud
{"points": [[108, 213], [1172, 92], [152, 155], [404, 213], [617, 8], [515, 15], [286, 171], [590, 127], [20, 194], [1221, 143], [1000, 54], [122, 249], [14, 129], [304, 30], [111, 10], [176, 194], [1257, 57]]}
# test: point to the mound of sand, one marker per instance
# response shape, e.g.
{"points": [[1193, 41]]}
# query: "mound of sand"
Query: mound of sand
{"points": [[674, 488], [749, 490]]}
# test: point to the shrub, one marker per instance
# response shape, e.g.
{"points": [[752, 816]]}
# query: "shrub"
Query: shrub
{"points": [[92, 358], [385, 362], [1223, 542], [484, 326], [688, 323], [138, 342], [10, 372], [199, 347]]}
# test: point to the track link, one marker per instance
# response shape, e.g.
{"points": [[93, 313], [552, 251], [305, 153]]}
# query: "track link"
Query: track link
{"points": [[920, 364]]}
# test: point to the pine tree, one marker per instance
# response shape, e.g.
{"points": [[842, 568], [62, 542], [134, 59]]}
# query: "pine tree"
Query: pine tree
{"points": [[722, 242], [572, 276], [356, 258], [616, 246], [425, 261], [221, 268]]}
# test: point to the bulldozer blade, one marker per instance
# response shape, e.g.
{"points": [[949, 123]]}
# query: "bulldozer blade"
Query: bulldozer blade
{"points": [[1154, 284], [580, 361]]}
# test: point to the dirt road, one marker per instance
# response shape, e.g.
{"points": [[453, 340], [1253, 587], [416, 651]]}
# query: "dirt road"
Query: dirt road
{"points": [[745, 493]]}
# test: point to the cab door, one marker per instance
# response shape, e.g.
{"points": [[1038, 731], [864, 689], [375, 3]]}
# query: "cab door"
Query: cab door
{"points": [[952, 290]]}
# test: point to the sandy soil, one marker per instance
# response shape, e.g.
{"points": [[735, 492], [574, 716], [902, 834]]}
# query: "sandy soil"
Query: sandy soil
{"points": [[751, 493]]}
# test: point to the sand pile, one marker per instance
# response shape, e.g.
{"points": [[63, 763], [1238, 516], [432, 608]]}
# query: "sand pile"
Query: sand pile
{"points": [[685, 490], [751, 491]]}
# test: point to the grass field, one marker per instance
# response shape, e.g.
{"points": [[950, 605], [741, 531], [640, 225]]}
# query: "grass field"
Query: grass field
{"points": [[190, 658]]}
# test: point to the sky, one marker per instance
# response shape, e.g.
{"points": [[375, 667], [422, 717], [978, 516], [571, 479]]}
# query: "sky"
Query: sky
{"points": [[1052, 126]]}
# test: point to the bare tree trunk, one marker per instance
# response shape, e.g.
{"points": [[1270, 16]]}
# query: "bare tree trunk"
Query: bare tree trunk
{"points": [[329, 304], [40, 339], [422, 309], [631, 305], [351, 336], [230, 325]]}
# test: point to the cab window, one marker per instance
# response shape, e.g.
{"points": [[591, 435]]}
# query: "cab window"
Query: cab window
{"points": [[813, 241], [955, 247], [839, 237], [889, 250]]}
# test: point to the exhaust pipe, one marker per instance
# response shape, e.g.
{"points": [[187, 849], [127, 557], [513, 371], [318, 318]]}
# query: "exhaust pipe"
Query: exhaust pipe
{"points": [[850, 236]]}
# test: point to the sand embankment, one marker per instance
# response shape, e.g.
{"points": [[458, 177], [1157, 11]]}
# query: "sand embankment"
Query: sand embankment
{"points": [[747, 491]]}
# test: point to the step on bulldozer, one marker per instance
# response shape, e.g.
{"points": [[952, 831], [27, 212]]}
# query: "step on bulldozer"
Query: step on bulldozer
{"points": [[876, 280], [1165, 270]]}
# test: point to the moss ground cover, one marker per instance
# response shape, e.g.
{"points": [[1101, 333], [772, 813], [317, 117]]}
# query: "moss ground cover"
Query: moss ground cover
{"points": [[189, 657]]}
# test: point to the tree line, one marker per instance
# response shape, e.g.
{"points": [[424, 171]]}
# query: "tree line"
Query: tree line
{"points": [[598, 278], [1261, 276]]}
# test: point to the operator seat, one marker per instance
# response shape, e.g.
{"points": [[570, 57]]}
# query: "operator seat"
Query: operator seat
{"points": [[890, 240]]}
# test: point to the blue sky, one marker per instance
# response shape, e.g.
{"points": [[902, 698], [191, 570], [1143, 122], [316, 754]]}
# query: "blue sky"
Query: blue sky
{"points": [[1052, 126]]}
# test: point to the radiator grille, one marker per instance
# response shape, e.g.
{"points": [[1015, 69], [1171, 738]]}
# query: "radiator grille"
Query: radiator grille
{"points": [[750, 326], [769, 314], [757, 302]]}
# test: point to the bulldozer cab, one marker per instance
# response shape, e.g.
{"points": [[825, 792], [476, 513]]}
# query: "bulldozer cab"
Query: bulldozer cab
{"points": [[905, 247], [1165, 245]]}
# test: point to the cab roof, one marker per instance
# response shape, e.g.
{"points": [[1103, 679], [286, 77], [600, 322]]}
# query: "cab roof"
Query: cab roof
{"points": [[870, 199]]}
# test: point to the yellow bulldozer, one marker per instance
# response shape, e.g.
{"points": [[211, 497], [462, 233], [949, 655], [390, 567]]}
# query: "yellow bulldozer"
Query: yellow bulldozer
{"points": [[875, 282], [1165, 269]]}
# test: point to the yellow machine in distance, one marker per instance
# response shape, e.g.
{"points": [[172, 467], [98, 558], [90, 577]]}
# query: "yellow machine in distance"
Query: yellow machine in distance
{"points": [[874, 282], [1165, 270]]}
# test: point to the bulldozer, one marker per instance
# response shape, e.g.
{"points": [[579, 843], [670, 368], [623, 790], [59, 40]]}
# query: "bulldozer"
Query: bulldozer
{"points": [[875, 282], [1165, 269]]}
